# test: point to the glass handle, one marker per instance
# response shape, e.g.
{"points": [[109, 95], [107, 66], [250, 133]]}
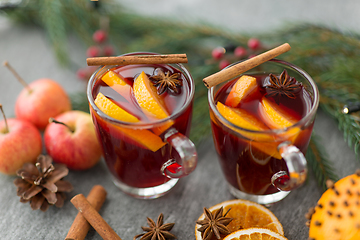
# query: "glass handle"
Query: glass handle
{"points": [[187, 152], [296, 164]]}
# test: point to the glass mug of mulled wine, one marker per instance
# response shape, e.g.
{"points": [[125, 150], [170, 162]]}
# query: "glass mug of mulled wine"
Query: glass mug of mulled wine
{"points": [[261, 125], [142, 115]]}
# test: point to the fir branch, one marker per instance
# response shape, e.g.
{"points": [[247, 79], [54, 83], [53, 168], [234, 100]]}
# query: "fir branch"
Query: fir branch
{"points": [[319, 162]]}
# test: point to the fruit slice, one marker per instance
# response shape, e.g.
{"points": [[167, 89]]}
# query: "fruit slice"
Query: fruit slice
{"points": [[144, 137], [255, 234], [262, 142], [245, 214], [118, 84], [277, 117], [148, 99], [337, 212], [243, 87]]}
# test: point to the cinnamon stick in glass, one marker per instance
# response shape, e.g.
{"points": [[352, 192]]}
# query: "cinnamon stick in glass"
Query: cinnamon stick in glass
{"points": [[137, 59], [94, 218], [80, 226], [242, 67]]}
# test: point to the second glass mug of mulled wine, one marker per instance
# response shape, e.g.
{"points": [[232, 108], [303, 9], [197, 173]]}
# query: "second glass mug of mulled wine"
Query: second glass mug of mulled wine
{"points": [[261, 124], [142, 115]]}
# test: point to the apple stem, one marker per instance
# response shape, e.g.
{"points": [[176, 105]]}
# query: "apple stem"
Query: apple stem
{"points": [[52, 120], [6, 125], [6, 64]]}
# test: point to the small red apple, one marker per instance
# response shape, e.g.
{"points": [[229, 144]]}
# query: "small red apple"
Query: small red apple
{"points": [[44, 98], [71, 140], [20, 142], [40, 100]]}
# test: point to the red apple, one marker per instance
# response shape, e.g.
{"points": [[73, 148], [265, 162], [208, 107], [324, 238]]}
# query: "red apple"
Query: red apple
{"points": [[42, 99], [71, 139], [20, 142]]}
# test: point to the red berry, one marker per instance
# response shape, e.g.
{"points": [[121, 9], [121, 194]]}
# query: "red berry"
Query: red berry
{"points": [[108, 50], [251, 56], [253, 43], [240, 52], [99, 36], [93, 51], [81, 73], [218, 53], [224, 63]]}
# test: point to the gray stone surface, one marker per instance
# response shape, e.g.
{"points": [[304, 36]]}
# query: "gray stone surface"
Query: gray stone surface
{"points": [[29, 52]]}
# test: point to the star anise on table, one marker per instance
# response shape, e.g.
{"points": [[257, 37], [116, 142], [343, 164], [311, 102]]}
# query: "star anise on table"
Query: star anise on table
{"points": [[164, 82], [284, 85], [214, 224], [41, 184], [157, 231]]}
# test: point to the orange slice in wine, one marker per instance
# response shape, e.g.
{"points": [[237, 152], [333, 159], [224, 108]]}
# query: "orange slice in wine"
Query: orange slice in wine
{"points": [[144, 137], [114, 81], [151, 103], [241, 118], [243, 87], [278, 117]]}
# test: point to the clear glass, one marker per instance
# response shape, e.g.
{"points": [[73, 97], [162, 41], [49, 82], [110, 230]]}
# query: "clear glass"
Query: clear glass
{"points": [[252, 171], [136, 169]]}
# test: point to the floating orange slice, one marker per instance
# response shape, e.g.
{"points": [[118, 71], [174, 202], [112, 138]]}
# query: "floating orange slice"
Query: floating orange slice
{"points": [[255, 234], [262, 142], [144, 137], [148, 99], [243, 87], [113, 110], [245, 214], [277, 117], [118, 84]]}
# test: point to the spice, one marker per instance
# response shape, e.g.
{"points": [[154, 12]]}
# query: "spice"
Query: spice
{"points": [[157, 231], [284, 85], [242, 67], [80, 226], [165, 82], [214, 224], [138, 59], [94, 218]]}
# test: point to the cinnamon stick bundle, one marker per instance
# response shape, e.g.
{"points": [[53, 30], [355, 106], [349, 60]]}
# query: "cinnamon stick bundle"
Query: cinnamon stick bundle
{"points": [[94, 218], [80, 226], [137, 59]]}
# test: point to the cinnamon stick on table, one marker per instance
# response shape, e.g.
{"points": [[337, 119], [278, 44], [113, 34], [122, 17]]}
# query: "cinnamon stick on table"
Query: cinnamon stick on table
{"points": [[137, 59], [80, 226], [242, 67], [94, 218]]}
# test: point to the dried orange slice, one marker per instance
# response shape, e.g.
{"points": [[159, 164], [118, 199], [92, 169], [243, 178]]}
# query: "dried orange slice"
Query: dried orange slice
{"points": [[337, 214], [245, 214], [114, 81], [148, 99], [243, 87], [255, 234], [144, 137], [243, 119]]}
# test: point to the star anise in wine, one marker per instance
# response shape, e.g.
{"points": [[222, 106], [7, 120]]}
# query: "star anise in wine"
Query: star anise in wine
{"points": [[165, 82], [214, 224], [284, 85], [157, 231]]}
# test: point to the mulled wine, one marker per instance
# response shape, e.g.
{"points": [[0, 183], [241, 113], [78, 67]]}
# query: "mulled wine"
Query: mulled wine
{"points": [[133, 129], [251, 116]]}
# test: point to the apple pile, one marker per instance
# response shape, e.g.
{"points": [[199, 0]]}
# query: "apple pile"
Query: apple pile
{"points": [[44, 107]]}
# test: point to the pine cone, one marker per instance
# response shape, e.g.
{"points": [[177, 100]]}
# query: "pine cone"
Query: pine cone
{"points": [[41, 184]]}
